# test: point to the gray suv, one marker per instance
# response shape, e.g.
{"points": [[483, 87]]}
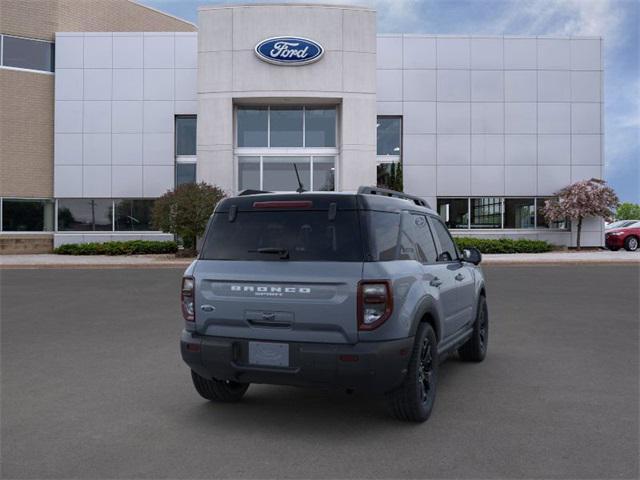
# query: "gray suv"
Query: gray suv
{"points": [[361, 291]]}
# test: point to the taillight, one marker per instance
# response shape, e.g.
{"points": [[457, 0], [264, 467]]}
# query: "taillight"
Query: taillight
{"points": [[375, 303], [187, 299]]}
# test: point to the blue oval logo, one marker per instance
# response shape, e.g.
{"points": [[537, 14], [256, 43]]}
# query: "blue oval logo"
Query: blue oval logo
{"points": [[289, 50]]}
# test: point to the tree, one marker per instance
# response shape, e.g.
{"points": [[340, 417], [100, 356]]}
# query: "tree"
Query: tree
{"points": [[628, 211], [586, 198], [186, 210]]}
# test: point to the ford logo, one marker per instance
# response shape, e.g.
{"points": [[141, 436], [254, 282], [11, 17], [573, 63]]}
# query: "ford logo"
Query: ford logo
{"points": [[289, 51]]}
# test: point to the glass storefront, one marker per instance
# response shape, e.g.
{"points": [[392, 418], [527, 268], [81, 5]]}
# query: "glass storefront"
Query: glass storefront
{"points": [[85, 215], [27, 215]]}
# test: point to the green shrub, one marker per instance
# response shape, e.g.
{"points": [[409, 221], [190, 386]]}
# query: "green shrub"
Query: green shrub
{"points": [[504, 245], [132, 247]]}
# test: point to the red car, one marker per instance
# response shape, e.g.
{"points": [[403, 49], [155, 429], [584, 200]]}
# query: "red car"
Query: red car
{"points": [[627, 237]]}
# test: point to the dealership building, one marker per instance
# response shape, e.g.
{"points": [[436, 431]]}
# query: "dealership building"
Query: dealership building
{"points": [[107, 105]]}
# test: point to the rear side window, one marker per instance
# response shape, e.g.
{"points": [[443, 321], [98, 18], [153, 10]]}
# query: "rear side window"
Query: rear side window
{"points": [[448, 251], [284, 236], [383, 232]]}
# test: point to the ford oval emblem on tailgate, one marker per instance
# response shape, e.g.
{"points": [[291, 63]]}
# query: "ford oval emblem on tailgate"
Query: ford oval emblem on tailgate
{"points": [[289, 51]]}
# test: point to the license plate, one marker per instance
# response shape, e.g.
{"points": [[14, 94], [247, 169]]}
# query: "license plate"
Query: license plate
{"points": [[269, 354]]}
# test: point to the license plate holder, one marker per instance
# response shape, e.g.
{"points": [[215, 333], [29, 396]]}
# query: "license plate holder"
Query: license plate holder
{"points": [[269, 354]]}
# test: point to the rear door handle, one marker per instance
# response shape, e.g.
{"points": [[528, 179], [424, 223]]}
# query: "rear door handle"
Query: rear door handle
{"points": [[459, 277], [436, 282]]}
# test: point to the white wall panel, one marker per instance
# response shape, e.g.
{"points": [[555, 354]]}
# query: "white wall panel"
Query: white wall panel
{"points": [[585, 54], [520, 180], [96, 149], [96, 117], [454, 149], [419, 117], [552, 178], [419, 149], [453, 180], [420, 180], [554, 54], [68, 84], [453, 52], [453, 85], [487, 149], [487, 85], [389, 85], [158, 84], [68, 149], [186, 84], [554, 86], [97, 84], [126, 181], [158, 51], [126, 149], [96, 181], [487, 180], [419, 85], [521, 85], [128, 84], [520, 149], [389, 52], [586, 150], [419, 52], [186, 50], [554, 149], [554, 118], [454, 117], [67, 181], [487, 117], [520, 53], [127, 51], [158, 117], [585, 86], [127, 117], [98, 51], [585, 118], [156, 180], [69, 51], [520, 118], [487, 53], [68, 116], [585, 172], [158, 149]]}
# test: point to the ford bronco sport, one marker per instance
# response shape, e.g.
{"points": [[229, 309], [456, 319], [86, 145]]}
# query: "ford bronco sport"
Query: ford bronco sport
{"points": [[361, 290]]}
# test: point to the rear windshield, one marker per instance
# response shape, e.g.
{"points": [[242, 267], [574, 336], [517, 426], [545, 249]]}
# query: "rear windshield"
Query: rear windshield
{"points": [[300, 235]]}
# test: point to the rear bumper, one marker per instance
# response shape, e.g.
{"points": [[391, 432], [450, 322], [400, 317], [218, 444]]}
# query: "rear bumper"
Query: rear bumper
{"points": [[369, 366]]}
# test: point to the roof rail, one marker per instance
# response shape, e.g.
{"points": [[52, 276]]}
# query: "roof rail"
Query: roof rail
{"points": [[392, 193], [252, 192]]}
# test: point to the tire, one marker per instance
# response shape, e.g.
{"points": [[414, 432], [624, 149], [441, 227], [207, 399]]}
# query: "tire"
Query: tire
{"points": [[413, 400], [217, 390], [475, 349], [631, 243]]}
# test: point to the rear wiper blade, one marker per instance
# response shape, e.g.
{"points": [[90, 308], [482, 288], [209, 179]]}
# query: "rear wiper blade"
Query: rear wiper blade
{"points": [[283, 252]]}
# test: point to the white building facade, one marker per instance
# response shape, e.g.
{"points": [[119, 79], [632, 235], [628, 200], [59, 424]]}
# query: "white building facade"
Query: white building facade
{"points": [[483, 128]]}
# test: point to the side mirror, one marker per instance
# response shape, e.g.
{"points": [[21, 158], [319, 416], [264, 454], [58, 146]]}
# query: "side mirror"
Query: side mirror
{"points": [[472, 255]]}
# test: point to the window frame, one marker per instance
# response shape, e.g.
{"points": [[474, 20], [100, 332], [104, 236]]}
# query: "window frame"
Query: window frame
{"points": [[184, 159], [267, 151], [22, 69], [390, 159]]}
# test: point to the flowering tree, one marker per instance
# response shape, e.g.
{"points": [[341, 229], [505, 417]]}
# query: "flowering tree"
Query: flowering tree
{"points": [[586, 198], [185, 211]]}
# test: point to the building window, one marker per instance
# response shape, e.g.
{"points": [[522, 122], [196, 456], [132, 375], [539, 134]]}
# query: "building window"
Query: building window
{"points": [[26, 53], [285, 148], [133, 215], [286, 127], [389, 152], [281, 173], [454, 212], [496, 212], [186, 140], [542, 222], [519, 213], [486, 212], [85, 215], [27, 215]]}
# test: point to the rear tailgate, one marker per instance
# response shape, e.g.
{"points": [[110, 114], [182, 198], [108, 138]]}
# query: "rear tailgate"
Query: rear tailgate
{"points": [[281, 301], [281, 267]]}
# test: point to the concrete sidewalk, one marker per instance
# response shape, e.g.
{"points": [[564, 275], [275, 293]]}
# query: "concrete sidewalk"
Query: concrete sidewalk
{"points": [[170, 261]]}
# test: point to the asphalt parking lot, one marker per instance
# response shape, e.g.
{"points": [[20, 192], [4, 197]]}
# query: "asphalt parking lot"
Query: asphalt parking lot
{"points": [[93, 387]]}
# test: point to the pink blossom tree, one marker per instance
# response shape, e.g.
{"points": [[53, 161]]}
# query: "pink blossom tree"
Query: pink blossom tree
{"points": [[586, 198]]}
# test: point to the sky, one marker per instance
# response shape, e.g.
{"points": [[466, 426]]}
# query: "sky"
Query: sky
{"points": [[617, 21]]}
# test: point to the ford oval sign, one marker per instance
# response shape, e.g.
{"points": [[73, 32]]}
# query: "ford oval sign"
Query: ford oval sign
{"points": [[289, 51]]}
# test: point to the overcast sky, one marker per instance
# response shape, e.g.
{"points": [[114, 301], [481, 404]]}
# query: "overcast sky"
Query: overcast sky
{"points": [[617, 21]]}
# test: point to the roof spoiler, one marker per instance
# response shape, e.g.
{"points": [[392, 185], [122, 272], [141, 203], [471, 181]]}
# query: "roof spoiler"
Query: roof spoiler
{"points": [[252, 192], [364, 190]]}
